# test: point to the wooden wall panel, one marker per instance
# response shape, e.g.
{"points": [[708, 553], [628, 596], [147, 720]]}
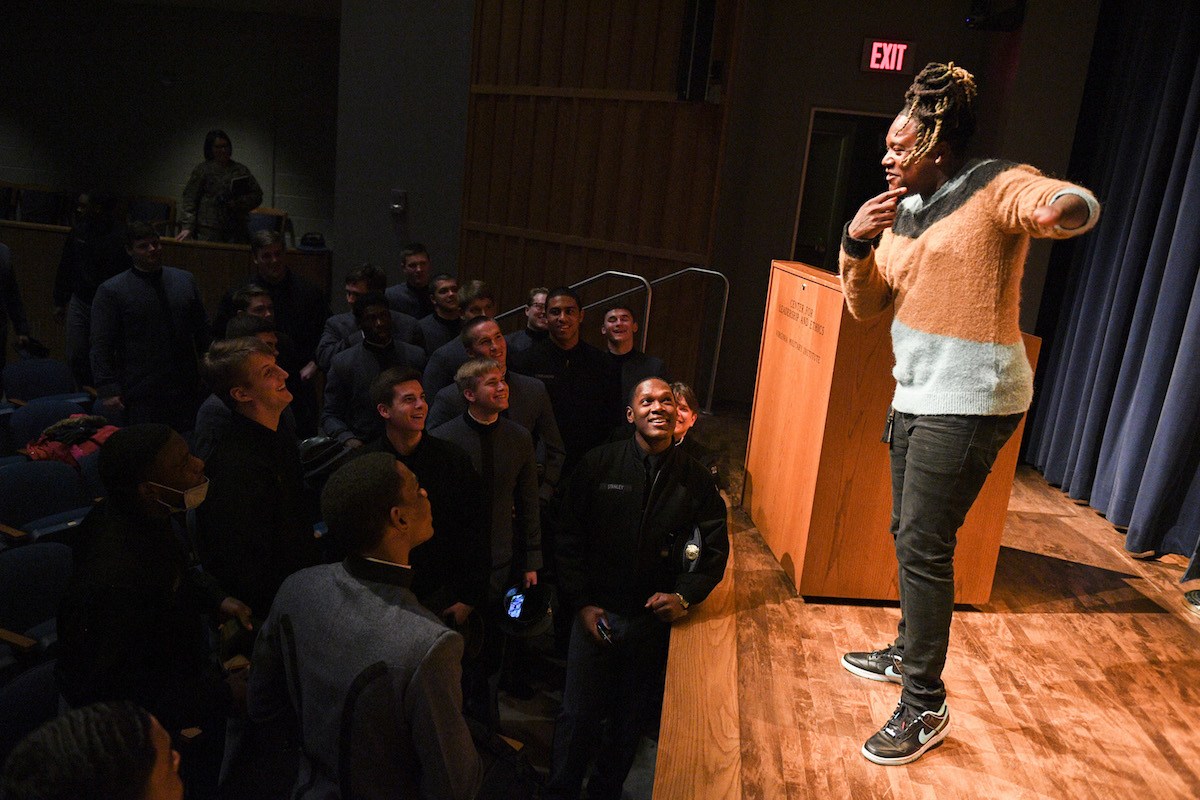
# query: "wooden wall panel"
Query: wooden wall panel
{"points": [[573, 45], [617, 74], [541, 170], [549, 41], [596, 44], [510, 43], [666, 53], [487, 47], [581, 159]]}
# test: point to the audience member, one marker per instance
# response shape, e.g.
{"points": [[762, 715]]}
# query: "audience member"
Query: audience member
{"points": [[341, 330], [476, 299], [451, 568], [93, 252], [583, 383], [148, 329], [528, 403], [502, 453], [644, 538], [535, 322], [130, 626], [349, 415], [686, 405], [300, 310], [366, 677], [215, 416], [412, 296], [11, 307], [104, 751], [444, 322], [219, 196], [635, 366], [257, 526], [253, 300]]}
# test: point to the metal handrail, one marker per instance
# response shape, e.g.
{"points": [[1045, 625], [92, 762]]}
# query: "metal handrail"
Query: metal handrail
{"points": [[607, 274], [648, 286], [712, 378]]}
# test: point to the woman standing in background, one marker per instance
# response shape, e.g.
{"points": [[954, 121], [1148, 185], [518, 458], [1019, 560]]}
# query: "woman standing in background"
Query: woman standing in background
{"points": [[219, 195]]}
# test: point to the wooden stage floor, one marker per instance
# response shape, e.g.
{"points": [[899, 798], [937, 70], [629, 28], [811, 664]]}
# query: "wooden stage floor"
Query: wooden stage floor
{"points": [[1079, 679]]}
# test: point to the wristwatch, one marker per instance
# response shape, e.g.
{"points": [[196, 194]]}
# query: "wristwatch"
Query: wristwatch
{"points": [[682, 601]]}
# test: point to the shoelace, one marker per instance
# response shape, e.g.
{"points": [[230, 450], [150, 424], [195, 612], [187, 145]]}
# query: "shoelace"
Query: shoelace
{"points": [[900, 720], [886, 654]]}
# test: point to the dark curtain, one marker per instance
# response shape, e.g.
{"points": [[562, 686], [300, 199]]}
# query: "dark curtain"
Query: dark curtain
{"points": [[1117, 418]]}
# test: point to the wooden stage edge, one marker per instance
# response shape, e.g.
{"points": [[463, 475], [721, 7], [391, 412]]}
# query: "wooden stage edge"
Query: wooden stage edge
{"points": [[1080, 677]]}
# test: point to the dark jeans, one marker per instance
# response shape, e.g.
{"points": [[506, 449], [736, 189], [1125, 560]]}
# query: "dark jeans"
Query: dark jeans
{"points": [[622, 681], [939, 464]]}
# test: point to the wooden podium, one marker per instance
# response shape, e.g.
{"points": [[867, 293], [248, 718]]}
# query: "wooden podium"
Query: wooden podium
{"points": [[818, 485]]}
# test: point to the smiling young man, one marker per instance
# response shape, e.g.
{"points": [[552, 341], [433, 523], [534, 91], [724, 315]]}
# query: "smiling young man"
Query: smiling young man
{"points": [[349, 414], [645, 538], [528, 403], [536, 321], [213, 418], [584, 385], [477, 299], [299, 309], [501, 452], [452, 568], [618, 331], [945, 245], [257, 526]]}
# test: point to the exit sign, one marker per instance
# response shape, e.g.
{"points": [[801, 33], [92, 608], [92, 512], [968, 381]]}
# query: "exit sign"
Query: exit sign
{"points": [[884, 55]]}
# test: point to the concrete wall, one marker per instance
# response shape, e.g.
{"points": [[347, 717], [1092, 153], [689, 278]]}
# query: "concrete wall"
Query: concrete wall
{"points": [[795, 56], [107, 94], [402, 120]]}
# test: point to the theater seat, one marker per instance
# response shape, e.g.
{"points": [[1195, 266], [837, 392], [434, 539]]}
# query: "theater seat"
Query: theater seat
{"points": [[268, 219], [43, 205], [158, 211], [27, 422], [27, 702], [31, 378], [41, 500]]}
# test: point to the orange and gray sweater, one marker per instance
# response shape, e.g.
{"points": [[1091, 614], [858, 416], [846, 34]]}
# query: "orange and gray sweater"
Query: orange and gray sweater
{"points": [[952, 265]]}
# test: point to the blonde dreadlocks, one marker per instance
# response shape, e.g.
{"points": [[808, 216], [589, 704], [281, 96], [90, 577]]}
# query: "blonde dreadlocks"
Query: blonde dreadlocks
{"points": [[941, 103]]}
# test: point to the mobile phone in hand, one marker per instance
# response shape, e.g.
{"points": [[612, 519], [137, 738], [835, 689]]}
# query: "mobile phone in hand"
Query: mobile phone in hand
{"points": [[604, 631]]}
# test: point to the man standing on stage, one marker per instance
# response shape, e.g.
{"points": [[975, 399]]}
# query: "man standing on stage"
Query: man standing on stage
{"points": [[946, 244]]}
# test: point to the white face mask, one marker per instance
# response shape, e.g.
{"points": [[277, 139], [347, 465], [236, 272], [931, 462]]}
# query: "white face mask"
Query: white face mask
{"points": [[190, 498]]}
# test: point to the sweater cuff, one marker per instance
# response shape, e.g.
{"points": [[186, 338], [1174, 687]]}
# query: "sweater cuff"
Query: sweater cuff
{"points": [[857, 249], [1093, 209]]}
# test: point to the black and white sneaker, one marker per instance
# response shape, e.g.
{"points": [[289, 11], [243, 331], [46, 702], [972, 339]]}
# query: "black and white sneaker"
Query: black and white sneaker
{"points": [[908, 735], [1191, 601], [880, 665]]}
